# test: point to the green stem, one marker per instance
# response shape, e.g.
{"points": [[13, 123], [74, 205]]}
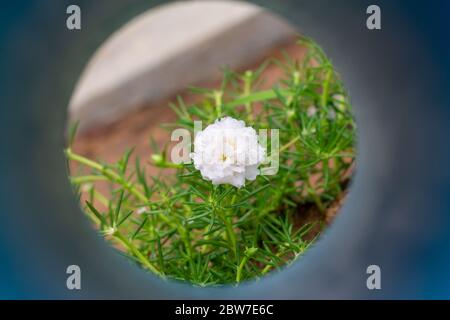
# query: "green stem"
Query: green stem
{"points": [[315, 196], [184, 233], [326, 173], [289, 144], [247, 91], [86, 179], [231, 237], [110, 174], [230, 227], [269, 266], [249, 252], [326, 87], [240, 268], [218, 102], [230, 234], [101, 198], [256, 96], [127, 244]]}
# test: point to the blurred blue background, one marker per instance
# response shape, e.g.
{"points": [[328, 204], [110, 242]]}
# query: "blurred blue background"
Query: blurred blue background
{"points": [[398, 213]]}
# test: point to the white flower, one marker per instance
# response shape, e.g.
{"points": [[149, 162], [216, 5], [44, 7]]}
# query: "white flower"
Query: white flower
{"points": [[228, 152]]}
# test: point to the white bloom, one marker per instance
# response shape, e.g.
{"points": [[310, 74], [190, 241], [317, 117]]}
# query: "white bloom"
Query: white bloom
{"points": [[228, 152]]}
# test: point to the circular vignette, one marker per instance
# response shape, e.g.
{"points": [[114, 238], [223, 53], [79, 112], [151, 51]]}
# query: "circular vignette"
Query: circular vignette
{"points": [[381, 196], [319, 192]]}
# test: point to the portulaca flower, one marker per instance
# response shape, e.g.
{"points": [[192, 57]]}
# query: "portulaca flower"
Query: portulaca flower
{"points": [[228, 152]]}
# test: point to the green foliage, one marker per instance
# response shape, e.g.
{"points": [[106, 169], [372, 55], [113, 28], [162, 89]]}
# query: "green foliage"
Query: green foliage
{"points": [[185, 228]]}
